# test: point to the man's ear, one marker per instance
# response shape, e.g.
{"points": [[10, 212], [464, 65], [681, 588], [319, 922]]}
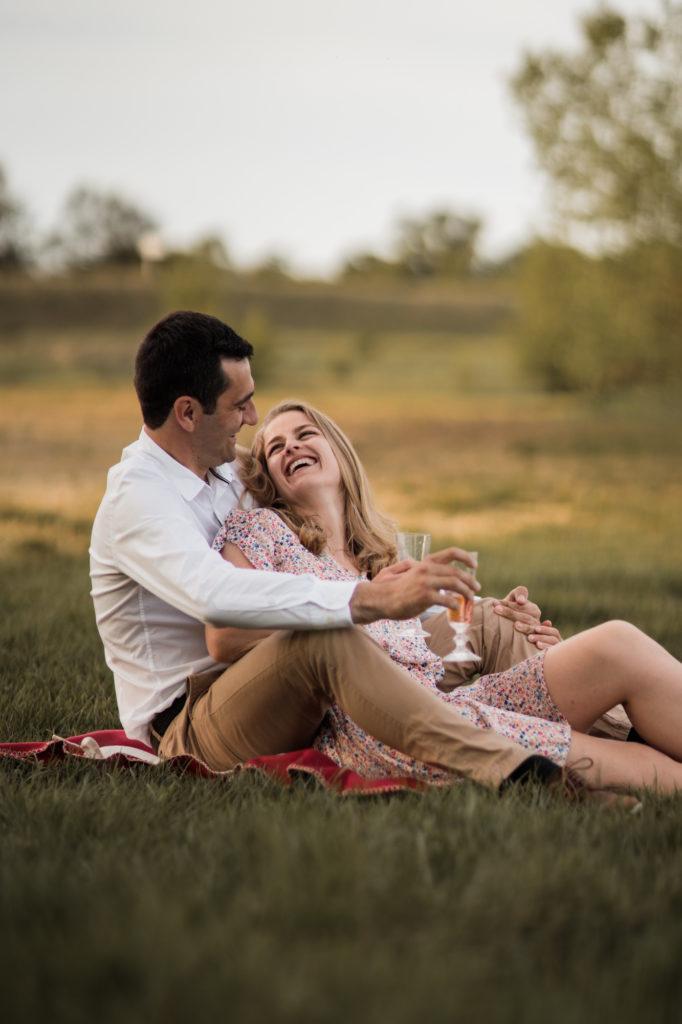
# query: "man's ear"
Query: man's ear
{"points": [[186, 411]]}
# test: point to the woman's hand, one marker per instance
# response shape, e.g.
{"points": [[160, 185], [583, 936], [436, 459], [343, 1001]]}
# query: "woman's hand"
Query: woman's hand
{"points": [[526, 618]]}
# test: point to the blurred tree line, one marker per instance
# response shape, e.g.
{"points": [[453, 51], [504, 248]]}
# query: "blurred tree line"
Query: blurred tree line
{"points": [[96, 228], [15, 248], [440, 245], [606, 124], [102, 229]]}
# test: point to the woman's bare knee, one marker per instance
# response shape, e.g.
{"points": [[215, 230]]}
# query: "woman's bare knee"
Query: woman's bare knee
{"points": [[621, 632], [615, 640]]}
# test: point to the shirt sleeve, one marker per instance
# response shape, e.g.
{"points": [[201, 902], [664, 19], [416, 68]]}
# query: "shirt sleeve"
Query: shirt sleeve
{"points": [[155, 540]]}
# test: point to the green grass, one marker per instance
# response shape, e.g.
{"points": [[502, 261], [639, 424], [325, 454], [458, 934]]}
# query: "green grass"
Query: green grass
{"points": [[150, 896], [135, 893]]}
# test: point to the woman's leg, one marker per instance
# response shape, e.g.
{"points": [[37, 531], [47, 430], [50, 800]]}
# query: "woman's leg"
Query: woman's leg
{"points": [[602, 763], [616, 663]]}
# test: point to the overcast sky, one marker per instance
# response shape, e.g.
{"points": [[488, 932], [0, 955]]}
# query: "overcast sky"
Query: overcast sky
{"points": [[303, 127]]}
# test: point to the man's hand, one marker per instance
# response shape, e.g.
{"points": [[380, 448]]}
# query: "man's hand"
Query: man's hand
{"points": [[526, 618], [408, 588]]}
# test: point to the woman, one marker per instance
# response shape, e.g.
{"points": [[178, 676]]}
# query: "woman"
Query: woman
{"points": [[317, 516]]}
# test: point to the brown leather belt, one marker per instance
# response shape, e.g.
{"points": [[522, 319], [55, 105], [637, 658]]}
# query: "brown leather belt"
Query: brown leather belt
{"points": [[161, 722]]}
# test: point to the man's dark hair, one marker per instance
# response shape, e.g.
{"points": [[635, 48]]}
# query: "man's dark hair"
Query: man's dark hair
{"points": [[181, 355]]}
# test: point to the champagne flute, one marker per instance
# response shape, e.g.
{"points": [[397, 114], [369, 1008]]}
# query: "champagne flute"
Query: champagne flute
{"points": [[415, 546], [459, 619]]}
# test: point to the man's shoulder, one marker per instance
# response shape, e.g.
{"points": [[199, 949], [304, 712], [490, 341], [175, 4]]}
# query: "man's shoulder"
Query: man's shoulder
{"points": [[136, 464], [138, 478]]}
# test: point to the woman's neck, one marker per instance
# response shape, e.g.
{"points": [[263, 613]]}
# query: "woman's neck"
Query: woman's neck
{"points": [[328, 510]]}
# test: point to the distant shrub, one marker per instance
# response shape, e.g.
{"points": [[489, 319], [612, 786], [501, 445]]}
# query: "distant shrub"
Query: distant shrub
{"points": [[256, 327], [601, 325], [191, 281]]}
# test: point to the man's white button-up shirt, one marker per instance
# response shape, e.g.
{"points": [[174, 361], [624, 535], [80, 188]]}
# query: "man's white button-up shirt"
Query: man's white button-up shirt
{"points": [[156, 580]]}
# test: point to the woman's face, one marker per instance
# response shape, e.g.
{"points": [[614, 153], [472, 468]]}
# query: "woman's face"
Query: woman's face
{"points": [[300, 459]]}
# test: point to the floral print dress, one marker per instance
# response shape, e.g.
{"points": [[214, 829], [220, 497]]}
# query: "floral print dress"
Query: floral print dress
{"points": [[514, 703]]}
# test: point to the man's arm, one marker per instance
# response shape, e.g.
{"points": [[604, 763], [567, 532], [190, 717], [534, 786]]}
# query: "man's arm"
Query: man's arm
{"points": [[154, 539]]}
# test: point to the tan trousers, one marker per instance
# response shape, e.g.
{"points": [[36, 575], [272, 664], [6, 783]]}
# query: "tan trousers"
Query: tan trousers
{"points": [[274, 698]]}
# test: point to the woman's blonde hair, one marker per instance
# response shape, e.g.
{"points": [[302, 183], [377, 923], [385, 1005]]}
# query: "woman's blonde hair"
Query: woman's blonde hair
{"points": [[370, 536]]}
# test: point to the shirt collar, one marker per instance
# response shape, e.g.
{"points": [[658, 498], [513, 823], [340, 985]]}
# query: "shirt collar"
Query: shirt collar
{"points": [[187, 482]]}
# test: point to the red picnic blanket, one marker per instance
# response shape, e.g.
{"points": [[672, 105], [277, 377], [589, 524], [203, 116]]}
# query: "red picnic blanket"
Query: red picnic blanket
{"points": [[113, 746]]}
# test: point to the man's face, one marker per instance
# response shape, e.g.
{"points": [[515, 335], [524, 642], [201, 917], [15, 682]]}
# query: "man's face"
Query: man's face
{"points": [[216, 433]]}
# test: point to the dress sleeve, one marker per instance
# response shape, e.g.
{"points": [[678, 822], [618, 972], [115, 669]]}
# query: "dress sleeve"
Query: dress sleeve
{"points": [[258, 533]]}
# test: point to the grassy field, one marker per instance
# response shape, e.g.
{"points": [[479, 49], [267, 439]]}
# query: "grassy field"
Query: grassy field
{"points": [[135, 893]]}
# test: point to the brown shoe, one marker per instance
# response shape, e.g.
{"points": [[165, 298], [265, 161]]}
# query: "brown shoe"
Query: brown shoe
{"points": [[567, 783], [575, 790]]}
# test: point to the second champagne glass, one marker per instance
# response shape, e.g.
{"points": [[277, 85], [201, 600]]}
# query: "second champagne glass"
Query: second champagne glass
{"points": [[417, 547]]}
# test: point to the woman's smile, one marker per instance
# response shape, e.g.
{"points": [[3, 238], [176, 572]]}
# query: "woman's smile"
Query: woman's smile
{"points": [[298, 463]]}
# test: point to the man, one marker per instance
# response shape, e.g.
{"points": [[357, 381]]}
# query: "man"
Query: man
{"points": [[156, 581]]}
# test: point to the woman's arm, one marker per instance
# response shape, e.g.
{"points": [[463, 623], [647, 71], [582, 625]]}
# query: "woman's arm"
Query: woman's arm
{"points": [[228, 643]]}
